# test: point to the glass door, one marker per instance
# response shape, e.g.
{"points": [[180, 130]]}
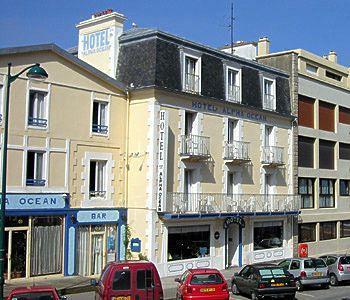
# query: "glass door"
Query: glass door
{"points": [[97, 253], [17, 241]]}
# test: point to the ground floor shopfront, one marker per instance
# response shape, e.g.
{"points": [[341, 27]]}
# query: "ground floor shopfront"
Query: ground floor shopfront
{"points": [[44, 236], [221, 242]]}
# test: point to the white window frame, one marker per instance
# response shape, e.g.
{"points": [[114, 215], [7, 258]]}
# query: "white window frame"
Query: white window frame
{"points": [[239, 79], [273, 87], [107, 102], [45, 109], [2, 99], [104, 177], [43, 168], [190, 53], [312, 66]]}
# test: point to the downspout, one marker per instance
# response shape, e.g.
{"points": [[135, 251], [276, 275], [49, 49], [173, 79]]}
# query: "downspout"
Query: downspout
{"points": [[126, 170]]}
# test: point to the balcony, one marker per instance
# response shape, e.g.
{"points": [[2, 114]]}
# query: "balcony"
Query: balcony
{"points": [[236, 152], [35, 182], [97, 194], [191, 84], [37, 122], [182, 203], [233, 94], [269, 102], [195, 147], [272, 156], [96, 128]]}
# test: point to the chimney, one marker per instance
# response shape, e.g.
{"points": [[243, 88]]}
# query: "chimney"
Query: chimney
{"points": [[99, 40], [263, 46], [332, 56]]}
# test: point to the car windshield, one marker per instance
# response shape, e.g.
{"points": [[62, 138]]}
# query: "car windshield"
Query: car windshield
{"points": [[210, 278], [345, 260], [34, 296], [273, 273], [314, 263]]}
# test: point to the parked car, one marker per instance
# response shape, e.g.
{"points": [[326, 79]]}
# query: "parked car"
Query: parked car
{"points": [[130, 280], [338, 267], [264, 280], [202, 284], [35, 293], [307, 271]]}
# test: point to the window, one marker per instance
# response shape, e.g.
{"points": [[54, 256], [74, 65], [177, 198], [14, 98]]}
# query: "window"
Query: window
{"points": [[311, 69], [326, 193], [326, 116], [328, 231], [232, 131], [188, 242], [295, 265], [284, 264], [37, 109], [344, 151], [326, 154], [268, 136], [144, 279], [306, 147], [314, 263], [269, 94], [333, 76], [344, 187], [345, 229], [307, 232], [306, 111], [330, 260], [34, 296], [1, 100], [268, 235], [35, 168], [233, 86], [189, 122], [207, 278], [306, 192], [191, 78], [97, 178], [121, 281], [99, 117], [344, 115]]}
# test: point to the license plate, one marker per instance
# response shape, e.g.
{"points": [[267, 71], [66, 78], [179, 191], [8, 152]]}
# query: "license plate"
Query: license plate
{"points": [[207, 290], [277, 284], [121, 298], [317, 274]]}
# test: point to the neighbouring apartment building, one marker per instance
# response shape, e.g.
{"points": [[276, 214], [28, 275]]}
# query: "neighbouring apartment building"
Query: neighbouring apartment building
{"points": [[321, 88], [65, 207]]}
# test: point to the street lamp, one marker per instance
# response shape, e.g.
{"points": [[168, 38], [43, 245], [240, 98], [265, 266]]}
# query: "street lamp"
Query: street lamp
{"points": [[38, 73]]}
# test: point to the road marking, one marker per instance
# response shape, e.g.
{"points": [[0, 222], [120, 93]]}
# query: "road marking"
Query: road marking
{"points": [[307, 295]]}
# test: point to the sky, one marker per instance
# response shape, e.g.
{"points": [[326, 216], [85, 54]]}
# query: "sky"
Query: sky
{"points": [[315, 25]]}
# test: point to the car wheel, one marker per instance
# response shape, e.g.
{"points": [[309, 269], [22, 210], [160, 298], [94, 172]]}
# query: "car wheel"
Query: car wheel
{"points": [[325, 286], [299, 286], [333, 280], [234, 289]]}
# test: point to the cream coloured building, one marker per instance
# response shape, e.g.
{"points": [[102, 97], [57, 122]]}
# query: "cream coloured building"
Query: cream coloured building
{"points": [[65, 208]]}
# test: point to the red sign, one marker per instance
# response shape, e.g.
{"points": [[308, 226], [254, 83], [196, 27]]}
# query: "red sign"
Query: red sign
{"points": [[102, 13], [303, 250]]}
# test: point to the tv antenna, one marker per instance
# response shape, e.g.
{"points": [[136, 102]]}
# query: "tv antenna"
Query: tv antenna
{"points": [[232, 19]]}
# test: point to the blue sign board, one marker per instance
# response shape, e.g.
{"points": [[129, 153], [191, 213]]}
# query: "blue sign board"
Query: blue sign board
{"points": [[35, 201], [135, 245], [97, 216]]}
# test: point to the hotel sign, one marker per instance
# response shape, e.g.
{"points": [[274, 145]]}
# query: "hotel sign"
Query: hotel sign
{"points": [[162, 160], [98, 41]]}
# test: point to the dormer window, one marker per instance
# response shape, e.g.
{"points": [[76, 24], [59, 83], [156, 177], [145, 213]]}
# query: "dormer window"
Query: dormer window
{"points": [[269, 100], [191, 71], [233, 85]]}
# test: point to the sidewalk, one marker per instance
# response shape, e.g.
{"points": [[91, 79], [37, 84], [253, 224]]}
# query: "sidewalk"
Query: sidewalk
{"points": [[78, 284]]}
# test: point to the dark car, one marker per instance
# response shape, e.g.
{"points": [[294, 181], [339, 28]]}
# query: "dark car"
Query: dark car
{"points": [[264, 280]]}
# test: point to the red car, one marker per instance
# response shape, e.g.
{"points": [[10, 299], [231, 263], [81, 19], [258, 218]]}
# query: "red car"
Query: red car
{"points": [[202, 284], [35, 293]]}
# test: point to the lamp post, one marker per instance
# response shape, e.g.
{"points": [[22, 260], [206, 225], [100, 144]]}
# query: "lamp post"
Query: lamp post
{"points": [[35, 72]]}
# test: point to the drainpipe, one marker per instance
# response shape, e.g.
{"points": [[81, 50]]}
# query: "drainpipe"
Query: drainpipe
{"points": [[126, 170]]}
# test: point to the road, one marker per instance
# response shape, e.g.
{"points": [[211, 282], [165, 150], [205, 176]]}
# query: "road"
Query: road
{"points": [[334, 293]]}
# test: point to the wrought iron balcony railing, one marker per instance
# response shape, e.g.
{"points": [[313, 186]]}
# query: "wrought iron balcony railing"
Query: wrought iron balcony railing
{"points": [[191, 84], [100, 128], [100, 194], [233, 94], [272, 155], [35, 182], [37, 122], [269, 102], [236, 151], [195, 146], [240, 203]]}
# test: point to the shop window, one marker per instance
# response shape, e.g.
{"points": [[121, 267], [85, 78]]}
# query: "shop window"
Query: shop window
{"points": [[37, 109], [345, 229], [344, 187], [328, 231], [99, 117], [188, 242], [144, 279], [121, 281], [306, 147], [17, 221], [344, 151], [326, 197], [306, 192], [97, 185], [269, 100], [307, 232], [268, 235], [344, 115], [326, 154], [35, 169], [233, 86], [326, 116], [306, 111]]}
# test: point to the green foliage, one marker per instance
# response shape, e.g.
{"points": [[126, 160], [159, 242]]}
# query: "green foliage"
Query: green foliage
{"points": [[128, 254], [143, 257]]}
